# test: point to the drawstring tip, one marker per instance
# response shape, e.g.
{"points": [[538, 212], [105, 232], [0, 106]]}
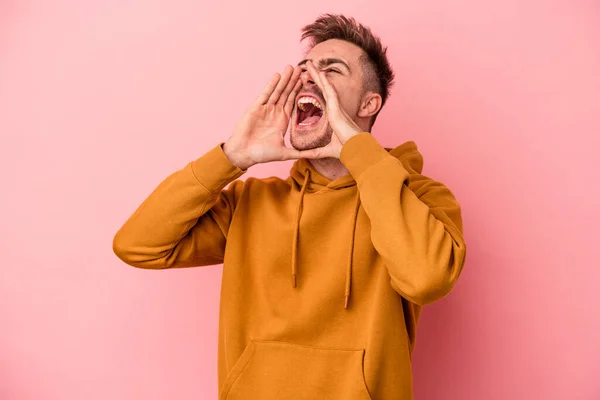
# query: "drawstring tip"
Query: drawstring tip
{"points": [[293, 280], [346, 301]]}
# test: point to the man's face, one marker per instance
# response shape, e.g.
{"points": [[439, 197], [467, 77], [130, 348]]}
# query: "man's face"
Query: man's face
{"points": [[340, 61]]}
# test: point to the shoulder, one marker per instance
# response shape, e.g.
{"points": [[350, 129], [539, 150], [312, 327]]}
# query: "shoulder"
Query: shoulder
{"points": [[273, 185]]}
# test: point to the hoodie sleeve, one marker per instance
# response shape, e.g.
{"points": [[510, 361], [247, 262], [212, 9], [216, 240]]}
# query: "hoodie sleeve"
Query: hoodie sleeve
{"points": [[416, 224], [185, 220]]}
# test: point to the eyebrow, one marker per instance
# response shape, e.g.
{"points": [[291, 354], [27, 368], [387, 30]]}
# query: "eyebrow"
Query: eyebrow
{"points": [[324, 62]]}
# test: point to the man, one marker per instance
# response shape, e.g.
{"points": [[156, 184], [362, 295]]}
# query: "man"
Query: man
{"points": [[325, 273]]}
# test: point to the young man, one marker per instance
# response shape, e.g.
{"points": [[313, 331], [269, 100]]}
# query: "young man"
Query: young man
{"points": [[325, 273]]}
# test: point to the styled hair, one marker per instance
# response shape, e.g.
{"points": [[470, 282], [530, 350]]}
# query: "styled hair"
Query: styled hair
{"points": [[378, 74]]}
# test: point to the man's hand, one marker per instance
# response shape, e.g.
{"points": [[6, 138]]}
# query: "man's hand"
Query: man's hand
{"points": [[259, 135], [342, 125]]}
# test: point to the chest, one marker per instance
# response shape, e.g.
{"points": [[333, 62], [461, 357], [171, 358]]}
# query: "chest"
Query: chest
{"points": [[326, 233]]}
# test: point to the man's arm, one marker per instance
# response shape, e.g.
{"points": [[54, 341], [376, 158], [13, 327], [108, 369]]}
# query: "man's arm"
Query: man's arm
{"points": [[416, 223], [184, 222]]}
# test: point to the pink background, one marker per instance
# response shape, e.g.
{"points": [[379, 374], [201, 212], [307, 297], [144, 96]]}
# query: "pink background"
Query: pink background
{"points": [[100, 100]]}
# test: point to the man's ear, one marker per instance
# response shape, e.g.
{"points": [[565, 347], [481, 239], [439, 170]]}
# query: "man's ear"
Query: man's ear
{"points": [[370, 105]]}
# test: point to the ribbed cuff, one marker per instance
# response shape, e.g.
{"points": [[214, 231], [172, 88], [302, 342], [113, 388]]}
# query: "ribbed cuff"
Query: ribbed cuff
{"points": [[214, 170], [361, 152]]}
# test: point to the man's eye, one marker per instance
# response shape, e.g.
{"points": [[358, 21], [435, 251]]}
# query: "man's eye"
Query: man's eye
{"points": [[332, 70]]}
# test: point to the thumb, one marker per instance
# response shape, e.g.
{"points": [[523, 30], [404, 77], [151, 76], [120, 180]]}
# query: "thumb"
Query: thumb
{"points": [[290, 154], [319, 152]]}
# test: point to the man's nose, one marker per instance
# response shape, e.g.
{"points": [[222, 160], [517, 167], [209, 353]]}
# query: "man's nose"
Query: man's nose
{"points": [[306, 79]]}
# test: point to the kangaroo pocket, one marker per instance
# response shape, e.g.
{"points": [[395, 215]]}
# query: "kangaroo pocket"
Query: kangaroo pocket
{"points": [[284, 371]]}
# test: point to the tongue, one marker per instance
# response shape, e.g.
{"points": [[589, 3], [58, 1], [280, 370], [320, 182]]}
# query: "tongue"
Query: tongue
{"points": [[311, 120]]}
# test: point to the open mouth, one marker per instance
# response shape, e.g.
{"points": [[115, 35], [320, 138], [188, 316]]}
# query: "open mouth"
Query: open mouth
{"points": [[309, 111]]}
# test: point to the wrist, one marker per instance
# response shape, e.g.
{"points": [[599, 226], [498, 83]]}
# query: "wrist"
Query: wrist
{"points": [[236, 156], [349, 135]]}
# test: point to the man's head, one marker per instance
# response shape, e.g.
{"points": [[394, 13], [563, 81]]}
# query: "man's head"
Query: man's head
{"points": [[356, 65]]}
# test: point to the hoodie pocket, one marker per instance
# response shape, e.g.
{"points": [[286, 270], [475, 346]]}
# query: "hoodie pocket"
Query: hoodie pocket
{"points": [[285, 371]]}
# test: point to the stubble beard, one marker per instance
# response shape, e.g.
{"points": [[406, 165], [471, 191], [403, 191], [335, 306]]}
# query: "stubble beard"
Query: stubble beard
{"points": [[304, 141]]}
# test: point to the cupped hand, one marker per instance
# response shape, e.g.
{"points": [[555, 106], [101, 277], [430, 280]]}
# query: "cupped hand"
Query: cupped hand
{"points": [[258, 136], [342, 125]]}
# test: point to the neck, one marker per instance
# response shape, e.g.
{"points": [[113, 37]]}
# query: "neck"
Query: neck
{"points": [[331, 168]]}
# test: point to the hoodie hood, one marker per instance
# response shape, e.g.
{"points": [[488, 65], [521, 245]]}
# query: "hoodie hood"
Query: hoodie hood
{"points": [[407, 153], [308, 180]]}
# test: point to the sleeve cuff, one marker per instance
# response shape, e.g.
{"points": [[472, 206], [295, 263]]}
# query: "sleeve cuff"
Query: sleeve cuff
{"points": [[214, 171], [361, 152]]}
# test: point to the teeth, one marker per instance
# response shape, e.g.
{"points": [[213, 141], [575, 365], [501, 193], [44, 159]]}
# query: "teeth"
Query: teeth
{"points": [[302, 101]]}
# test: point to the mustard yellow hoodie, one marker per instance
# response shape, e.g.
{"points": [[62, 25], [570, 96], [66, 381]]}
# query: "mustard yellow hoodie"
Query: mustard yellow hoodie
{"points": [[323, 281]]}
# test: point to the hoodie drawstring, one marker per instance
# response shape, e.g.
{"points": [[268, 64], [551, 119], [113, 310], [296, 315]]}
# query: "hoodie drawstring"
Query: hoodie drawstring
{"points": [[351, 252], [348, 283], [297, 229]]}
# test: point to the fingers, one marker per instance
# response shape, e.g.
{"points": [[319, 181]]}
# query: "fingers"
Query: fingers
{"points": [[320, 79], [268, 90], [281, 85], [316, 77], [295, 78], [291, 100]]}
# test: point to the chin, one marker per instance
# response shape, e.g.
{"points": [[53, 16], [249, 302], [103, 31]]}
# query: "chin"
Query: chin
{"points": [[311, 139], [312, 135]]}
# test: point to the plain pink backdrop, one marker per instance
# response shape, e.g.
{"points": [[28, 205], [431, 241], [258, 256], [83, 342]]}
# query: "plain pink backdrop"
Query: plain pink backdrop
{"points": [[101, 100]]}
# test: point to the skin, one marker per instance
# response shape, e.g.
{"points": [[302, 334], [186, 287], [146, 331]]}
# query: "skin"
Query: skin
{"points": [[331, 72]]}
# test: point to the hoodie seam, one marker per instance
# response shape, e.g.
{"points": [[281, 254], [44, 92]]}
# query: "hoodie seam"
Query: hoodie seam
{"points": [[324, 191], [366, 170], [401, 292], [283, 342], [199, 182], [404, 155]]}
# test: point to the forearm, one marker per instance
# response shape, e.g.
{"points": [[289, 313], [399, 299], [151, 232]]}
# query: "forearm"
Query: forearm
{"points": [[151, 236], [419, 239]]}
